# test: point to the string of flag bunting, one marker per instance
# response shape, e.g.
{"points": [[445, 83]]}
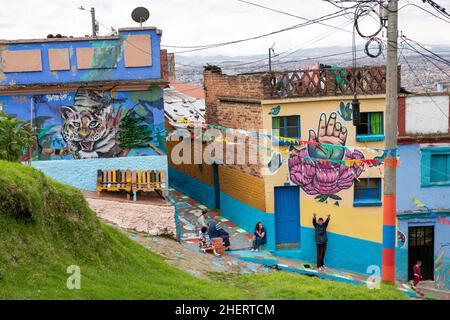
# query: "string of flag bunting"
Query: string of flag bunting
{"points": [[371, 162]]}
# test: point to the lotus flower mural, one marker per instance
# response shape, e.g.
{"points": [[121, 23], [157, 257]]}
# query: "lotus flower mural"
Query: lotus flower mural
{"points": [[309, 169]]}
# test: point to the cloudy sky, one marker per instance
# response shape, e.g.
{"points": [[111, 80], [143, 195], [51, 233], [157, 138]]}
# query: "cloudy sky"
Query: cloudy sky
{"points": [[199, 22]]}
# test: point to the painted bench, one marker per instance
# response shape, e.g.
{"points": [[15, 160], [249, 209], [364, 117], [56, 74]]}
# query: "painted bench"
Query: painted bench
{"points": [[131, 181]]}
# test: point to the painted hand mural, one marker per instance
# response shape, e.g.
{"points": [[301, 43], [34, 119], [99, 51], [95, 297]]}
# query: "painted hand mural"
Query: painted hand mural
{"points": [[324, 179]]}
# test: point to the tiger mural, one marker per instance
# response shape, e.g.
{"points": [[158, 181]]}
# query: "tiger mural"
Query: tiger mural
{"points": [[90, 126]]}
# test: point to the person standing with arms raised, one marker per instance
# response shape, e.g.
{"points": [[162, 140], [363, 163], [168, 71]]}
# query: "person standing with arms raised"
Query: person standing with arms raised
{"points": [[321, 238]]}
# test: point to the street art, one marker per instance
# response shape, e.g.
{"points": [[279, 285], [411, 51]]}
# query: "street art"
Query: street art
{"points": [[325, 179], [345, 111], [401, 239], [88, 123], [442, 269], [275, 110], [90, 126], [275, 163]]}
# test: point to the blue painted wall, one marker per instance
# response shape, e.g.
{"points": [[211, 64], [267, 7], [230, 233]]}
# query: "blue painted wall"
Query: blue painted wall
{"points": [[441, 247], [342, 252], [409, 180], [83, 75], [246, 217], [196, 189], [409, 183], [82, 174]]}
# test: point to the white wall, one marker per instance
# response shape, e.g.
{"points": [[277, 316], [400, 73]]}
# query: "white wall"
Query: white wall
{"points": [[427, 114]]}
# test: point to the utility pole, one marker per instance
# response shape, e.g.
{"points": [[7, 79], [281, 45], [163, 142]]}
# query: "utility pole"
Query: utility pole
{"points": [[271, 50], [93, 21], [389, 191], [94, 24]]}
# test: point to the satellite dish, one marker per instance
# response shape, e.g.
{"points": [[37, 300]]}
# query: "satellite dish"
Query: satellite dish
{"points": [[140, 15]]}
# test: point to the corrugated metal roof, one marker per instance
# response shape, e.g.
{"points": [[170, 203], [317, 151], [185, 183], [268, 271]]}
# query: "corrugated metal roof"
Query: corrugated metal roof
{"points": [[180, 107]]}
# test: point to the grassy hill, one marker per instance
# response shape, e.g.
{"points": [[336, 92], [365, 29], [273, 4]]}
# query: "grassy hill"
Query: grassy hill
{"points": [[46, 226]]}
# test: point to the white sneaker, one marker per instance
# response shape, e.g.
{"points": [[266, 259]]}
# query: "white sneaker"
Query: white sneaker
{"points": [[252, 249], [256, 250]]}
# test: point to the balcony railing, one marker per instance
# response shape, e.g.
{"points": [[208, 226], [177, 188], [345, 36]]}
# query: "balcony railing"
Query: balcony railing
{"points": [[329, 82]]}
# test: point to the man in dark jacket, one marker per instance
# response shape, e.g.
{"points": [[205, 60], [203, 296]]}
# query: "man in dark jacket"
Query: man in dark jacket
{"points": [[321, 239], [215, 230]]}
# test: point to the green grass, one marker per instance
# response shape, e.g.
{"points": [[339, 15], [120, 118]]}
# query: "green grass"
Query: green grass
{"points": [[46, 226]]}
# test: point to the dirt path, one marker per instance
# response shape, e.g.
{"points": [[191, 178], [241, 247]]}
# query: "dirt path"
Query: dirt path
{"points": [[186, 256], [148, 218], [145, 223]]}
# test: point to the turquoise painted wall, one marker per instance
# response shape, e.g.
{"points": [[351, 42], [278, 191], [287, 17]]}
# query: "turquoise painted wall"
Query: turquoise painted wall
{"points": [[246, 217], [82, 174], [342, 251], [200, 191]]}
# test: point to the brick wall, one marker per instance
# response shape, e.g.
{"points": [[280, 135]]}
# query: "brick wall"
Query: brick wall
{"points": [[235, 102], [164, 65], [252, 87]]}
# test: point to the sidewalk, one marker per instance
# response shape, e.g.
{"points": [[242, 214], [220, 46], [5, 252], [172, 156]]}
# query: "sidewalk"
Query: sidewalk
{"points": [[188, 210]]}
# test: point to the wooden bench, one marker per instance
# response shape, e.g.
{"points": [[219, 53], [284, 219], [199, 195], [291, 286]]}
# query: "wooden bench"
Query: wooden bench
{"points": [[131, 181]]}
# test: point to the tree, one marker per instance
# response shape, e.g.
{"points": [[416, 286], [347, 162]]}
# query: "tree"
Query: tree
{"points": [[134, 132], [16, 138]]}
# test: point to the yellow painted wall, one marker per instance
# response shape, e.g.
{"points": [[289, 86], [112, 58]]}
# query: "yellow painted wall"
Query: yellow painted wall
{"points": [[243, 187], [359, 222]]}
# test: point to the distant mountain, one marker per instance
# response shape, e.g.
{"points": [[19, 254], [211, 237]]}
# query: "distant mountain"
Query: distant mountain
{"points": [[292, 54]]}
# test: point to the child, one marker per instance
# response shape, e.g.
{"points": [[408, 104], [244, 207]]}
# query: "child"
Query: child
{"points": [[203, 239], [417, 270]]}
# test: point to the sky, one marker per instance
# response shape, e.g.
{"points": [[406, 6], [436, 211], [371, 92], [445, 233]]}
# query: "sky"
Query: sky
{"points": [[200, 22]]}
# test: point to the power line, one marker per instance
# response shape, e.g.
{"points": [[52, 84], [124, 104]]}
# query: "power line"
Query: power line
{"points": [[422, 85], [204, 47], [290, 14]]}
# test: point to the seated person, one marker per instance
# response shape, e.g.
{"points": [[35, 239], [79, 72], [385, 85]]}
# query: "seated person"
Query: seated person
{"points": [[259, 237], [204, 240], [201, 221], [215, 230]]}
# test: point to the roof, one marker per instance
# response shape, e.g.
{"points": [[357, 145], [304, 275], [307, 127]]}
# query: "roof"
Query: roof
{"points": [[68, 38], [189, 89], [179, 106]]}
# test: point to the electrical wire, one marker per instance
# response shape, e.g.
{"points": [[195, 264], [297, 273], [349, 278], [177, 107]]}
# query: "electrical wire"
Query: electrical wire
{"points": [[205, 47], [290, 14], [422, 85]]}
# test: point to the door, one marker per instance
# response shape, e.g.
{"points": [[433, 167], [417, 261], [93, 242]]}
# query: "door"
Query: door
{"points": [[216, 186], [287, 215], [421, 247]]}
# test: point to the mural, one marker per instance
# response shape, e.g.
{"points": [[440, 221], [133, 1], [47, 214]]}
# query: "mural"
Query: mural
{"points": [[401, 239], [345, 111], [90, 126], [324, 179], [275, 110], [90, 123], [441, 268]]}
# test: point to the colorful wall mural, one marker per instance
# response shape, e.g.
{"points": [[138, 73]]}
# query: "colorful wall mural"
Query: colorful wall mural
{"points": [[325, 179], [326, 169], [90, 123]]}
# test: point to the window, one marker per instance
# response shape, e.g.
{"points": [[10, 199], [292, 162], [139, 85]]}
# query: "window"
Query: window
{"points": [[288, 126], [370, 127], [435, 166], [439, 168], [367, 192]]}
